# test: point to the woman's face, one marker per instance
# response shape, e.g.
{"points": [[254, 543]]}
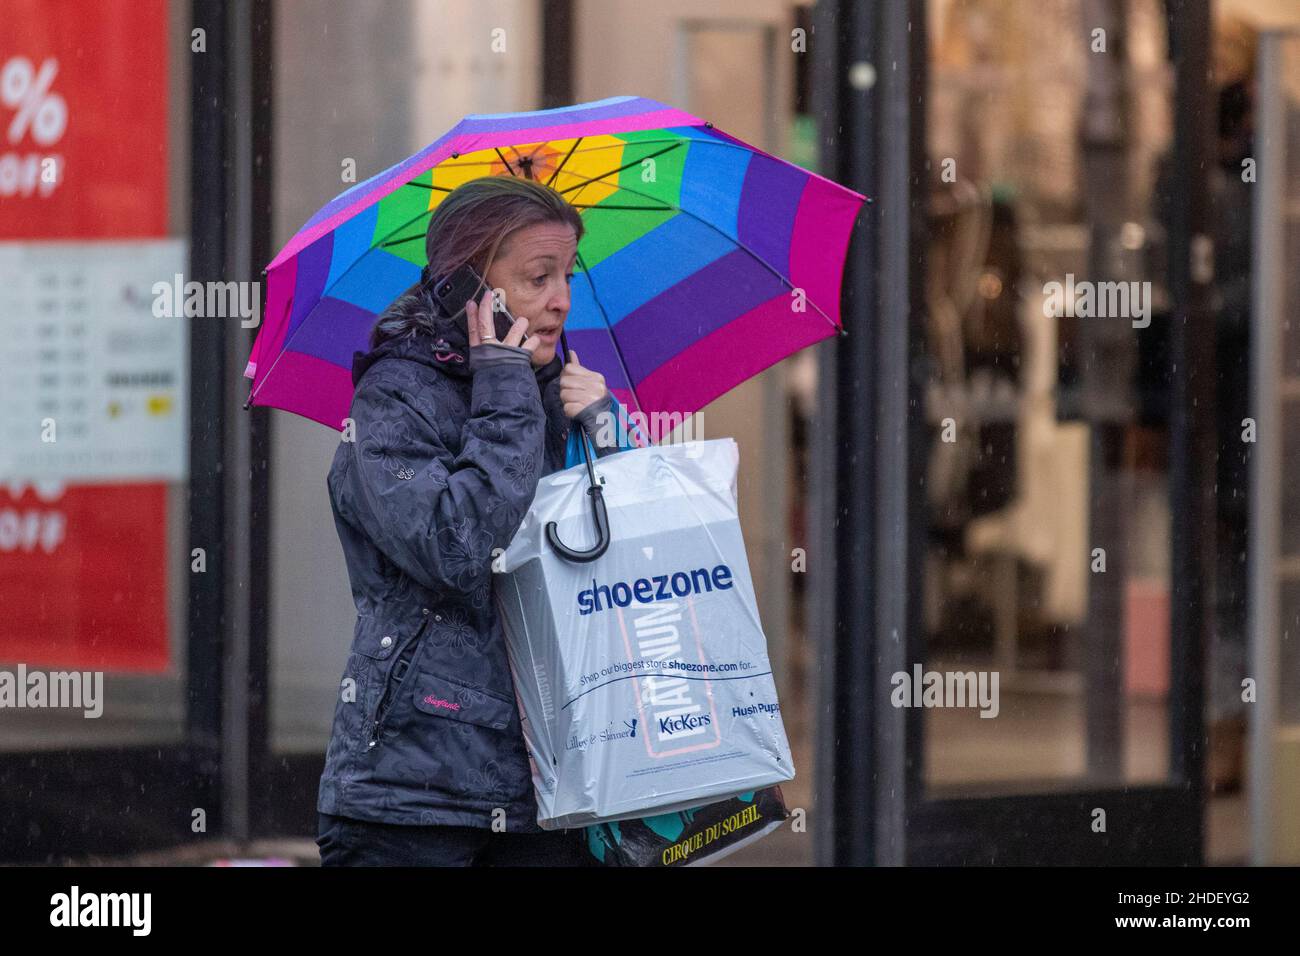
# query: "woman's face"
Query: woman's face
{"points": [[533, 269]]}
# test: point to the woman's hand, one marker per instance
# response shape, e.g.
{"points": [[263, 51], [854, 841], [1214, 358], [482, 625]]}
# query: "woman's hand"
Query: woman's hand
{"points": [[482, 326], [579, 386]]}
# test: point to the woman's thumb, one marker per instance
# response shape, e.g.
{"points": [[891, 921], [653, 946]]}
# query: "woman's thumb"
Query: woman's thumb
{"points": [[573, 357]]}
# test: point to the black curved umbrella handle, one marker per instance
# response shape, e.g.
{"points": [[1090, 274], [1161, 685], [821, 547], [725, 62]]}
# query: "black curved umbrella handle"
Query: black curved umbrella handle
{"points": [[602, 531], [597, 505]]}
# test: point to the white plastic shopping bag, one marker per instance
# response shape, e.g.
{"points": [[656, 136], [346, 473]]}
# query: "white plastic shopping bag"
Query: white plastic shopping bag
{"points": [[642, 677]]}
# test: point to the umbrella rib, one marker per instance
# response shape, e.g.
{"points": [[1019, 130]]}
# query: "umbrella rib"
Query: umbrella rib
{"points": [[398, 242], [449, 164], [556, 171], [619, 144], [601, 205], [627, 374], [504, 160], [525, 163], [639, 159]]}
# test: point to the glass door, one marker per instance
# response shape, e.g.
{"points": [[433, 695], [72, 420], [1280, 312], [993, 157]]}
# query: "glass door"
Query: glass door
{"points": [[1046, 708]]}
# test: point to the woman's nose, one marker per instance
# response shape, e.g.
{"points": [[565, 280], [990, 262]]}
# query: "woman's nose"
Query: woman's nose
{"points": [[560, 299]]}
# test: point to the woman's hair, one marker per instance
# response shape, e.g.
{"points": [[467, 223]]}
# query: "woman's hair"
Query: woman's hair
{"points": [[470, 225]]}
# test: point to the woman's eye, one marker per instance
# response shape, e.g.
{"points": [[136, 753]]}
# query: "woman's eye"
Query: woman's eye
{"points": [[539, 280]]}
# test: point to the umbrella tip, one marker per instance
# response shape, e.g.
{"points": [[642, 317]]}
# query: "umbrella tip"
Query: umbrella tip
{"points": [[870, 201]]}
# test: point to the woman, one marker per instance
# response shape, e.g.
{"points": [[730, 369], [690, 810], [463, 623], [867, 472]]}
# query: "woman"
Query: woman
{"points": [[426, 763]]}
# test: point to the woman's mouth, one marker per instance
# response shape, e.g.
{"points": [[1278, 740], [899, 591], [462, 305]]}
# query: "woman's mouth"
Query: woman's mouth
{"points": [[549, 334]]}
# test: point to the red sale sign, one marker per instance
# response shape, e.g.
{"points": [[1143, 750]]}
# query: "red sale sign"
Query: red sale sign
{"points": [[83, 119], [83, 577], [83, 156]]}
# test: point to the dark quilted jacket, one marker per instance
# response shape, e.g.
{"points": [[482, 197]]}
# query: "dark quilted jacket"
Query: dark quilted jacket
{"points": [[443, 467]]}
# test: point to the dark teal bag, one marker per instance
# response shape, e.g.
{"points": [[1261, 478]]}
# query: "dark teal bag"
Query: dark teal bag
{"points": [[701, 835]]}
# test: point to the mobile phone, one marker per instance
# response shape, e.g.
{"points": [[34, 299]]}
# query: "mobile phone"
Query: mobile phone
{"points": [[463, 284]]}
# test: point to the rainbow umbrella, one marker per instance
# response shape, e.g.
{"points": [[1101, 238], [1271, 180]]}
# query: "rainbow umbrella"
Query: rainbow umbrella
{"points": [[704, 261]]}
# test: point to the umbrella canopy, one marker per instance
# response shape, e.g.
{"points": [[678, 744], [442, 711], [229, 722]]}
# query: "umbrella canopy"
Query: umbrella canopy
{"points": [[704, 261]]}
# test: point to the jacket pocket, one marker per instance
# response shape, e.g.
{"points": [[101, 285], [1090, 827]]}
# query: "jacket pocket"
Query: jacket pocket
{"points": [[448, 697], [376, 641], [396, 680], [375, 638]]}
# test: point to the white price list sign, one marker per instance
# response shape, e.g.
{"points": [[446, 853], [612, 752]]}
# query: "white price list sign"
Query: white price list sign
{"points": [[93, 385]]}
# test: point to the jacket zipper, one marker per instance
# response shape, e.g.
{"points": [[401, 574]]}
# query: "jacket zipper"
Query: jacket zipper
{"points": [[400, 669]]}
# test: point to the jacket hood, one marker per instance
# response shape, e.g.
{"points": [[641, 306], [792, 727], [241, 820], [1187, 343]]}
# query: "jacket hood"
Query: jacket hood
{"points": [[446, 347]]}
